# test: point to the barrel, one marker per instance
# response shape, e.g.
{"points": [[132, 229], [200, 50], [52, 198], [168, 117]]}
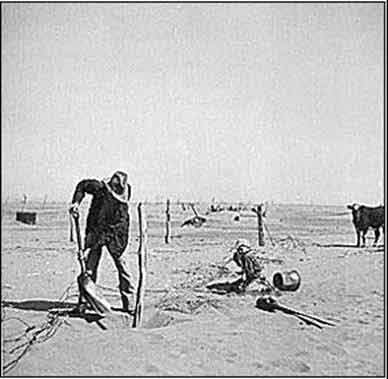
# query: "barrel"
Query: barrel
{"points": [[26, 217], [286, 280]]}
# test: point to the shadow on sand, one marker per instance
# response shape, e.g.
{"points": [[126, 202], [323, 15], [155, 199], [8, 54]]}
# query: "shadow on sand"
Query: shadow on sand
{"points": [[337, 245], [377, 248], [38, 305], [226, 287], [61, 308]]}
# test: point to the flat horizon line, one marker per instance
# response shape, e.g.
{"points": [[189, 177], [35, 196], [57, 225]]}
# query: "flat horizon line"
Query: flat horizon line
{"points": [[158, 202]]}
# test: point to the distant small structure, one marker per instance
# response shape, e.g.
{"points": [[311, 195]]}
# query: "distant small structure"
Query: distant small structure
{"points": [[28, 218]]}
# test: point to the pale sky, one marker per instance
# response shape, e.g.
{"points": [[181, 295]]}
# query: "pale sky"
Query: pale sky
{"points": [[262, 102]]}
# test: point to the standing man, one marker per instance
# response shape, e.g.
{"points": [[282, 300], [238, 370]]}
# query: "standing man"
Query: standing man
{"points": [[107, 225]]}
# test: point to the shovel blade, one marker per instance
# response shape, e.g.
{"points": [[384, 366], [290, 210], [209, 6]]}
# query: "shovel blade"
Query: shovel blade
{"points": [[97, 302]]}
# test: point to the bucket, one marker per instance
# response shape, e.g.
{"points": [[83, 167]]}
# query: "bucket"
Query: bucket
{"points": [[26, 217], [286, 280]]}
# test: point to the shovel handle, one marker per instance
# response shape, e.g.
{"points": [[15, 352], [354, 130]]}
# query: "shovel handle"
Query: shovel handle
{"points": [[77, 230], [308, 321], [81, 257], [315, 318], [71, 228], [292, 311]]}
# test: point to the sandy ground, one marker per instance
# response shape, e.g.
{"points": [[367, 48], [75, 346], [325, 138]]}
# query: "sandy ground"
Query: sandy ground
{"points": [[187, 330]]}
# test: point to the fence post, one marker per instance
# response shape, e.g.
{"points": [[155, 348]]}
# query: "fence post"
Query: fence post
{"points": [[44, 202], [24, 202], [168, 222], [260, 231], [142, 260]]}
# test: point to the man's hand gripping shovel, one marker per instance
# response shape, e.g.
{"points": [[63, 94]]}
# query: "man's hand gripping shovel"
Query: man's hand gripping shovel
{"points": [[87, 287]]}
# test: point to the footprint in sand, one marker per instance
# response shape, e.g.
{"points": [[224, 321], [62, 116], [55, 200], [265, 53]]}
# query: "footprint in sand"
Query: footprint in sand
{"points": [[154, 370], [332, 349], [294, 365], [350, 338], [303, 354], [232, 354], [258, 365], [377, 293]]}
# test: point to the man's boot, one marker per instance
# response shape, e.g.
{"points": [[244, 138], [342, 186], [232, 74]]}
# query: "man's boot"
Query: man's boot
{"points": [[81, 307], [125, 302]]}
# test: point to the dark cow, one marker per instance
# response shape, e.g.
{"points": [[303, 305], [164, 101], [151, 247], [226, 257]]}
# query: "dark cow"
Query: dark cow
{"points": [[367, 217]]}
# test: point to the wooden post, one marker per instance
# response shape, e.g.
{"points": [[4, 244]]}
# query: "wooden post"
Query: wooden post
{"points": [[168, 222], [44, 202], [24, 202], [142, 259], [260, 231], [269, 235]]}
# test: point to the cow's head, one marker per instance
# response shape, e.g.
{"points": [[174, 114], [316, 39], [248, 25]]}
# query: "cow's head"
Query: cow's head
{"points": [[355, 208]]}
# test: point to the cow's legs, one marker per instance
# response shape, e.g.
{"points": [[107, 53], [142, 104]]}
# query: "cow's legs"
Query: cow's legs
{"points": [[377, 236], [358, 232], [363, 235]]}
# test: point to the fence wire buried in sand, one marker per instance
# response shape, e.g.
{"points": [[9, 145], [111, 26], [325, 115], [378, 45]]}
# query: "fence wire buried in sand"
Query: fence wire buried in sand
{"points": [[14, 348]]}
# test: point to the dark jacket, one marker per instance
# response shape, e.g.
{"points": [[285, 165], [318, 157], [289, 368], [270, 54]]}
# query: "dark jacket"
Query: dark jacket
{"points": [[108, 217], [249, 263]]}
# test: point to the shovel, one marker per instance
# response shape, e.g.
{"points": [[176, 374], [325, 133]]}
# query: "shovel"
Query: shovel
{"points": [[87, 287]]}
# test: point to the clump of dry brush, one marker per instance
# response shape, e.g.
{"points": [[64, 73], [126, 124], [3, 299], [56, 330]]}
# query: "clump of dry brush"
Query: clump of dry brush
{"points": [[291, 243], [187, 302], [189, 295], [198, 275]]}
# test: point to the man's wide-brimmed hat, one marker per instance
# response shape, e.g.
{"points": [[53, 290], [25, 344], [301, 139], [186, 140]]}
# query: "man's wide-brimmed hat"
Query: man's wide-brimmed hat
{"points": [[241, 245], [123, 195]]}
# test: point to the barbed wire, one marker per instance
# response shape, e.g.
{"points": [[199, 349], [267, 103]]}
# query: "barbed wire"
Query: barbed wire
{"points": [[32, 334]]}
